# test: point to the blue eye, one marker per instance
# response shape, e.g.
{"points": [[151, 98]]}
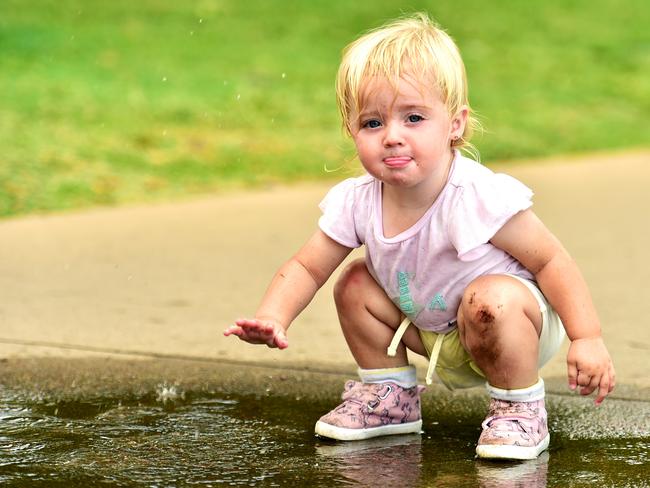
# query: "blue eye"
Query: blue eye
{"points": [[415, 118], [371, 124]]}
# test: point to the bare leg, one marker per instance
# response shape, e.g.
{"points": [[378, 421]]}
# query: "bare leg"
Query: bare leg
{"points": [[499, 322], [369, 320]]}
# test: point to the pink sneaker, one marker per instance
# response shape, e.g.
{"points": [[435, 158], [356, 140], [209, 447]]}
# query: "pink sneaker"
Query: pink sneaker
{"points": [[514, 430], [373, 409]]}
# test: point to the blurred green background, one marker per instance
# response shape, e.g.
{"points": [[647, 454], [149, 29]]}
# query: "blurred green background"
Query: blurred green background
{"points": [[108, 102]]}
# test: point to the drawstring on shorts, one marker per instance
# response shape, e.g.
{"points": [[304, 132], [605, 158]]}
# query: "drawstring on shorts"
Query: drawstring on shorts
{"points": [[435, 352]]}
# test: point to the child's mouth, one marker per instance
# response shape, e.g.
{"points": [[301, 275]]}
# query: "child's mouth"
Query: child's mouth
{"points": [[397, 161]]}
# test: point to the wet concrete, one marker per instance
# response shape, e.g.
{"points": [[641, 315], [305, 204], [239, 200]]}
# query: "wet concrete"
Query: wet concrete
{"points": [[172, 422]]}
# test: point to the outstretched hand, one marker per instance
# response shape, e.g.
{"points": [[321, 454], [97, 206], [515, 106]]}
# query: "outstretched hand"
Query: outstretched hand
{"points": [[259, 332], [590, 367]]}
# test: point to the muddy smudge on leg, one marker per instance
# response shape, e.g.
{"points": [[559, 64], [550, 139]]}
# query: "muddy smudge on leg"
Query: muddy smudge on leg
{"points": [[485, 316], [485, 341]]}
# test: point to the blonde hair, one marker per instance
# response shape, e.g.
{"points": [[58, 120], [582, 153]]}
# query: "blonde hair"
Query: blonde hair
{"points": [[413, 46]]}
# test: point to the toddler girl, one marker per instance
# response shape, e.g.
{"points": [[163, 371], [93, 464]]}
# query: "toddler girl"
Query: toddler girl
{"points": [[451, 248]]}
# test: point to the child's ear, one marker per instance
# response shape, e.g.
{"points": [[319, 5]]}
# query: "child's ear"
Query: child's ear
{"points": [[458, 122]]}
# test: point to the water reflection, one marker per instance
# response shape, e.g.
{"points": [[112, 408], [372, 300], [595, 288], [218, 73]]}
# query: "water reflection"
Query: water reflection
{"points": [[384, 461], [524, 474], [398, 460]]}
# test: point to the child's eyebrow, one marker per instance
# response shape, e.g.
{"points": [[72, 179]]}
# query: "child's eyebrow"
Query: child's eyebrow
{"points": [[405, 107], [368, 113], [412, 106]]}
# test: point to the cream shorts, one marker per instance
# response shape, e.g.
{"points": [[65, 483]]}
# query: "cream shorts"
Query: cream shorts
{"points": [[456, 369]]}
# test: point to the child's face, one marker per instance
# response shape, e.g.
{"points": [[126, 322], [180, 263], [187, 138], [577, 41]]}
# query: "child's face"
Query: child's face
{"points": [[403, 137]]}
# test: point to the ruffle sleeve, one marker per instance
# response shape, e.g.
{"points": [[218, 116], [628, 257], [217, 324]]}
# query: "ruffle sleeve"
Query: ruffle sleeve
{"points": [[338, 208], [483, 207]]}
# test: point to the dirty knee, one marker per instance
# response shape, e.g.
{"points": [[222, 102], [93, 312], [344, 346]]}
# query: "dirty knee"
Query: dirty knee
{"points": [[480, 310]]}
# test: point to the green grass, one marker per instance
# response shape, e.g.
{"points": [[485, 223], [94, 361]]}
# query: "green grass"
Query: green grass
{"points": [[110, 102]]}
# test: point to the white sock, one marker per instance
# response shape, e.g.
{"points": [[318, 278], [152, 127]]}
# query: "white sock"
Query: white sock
{"points": [[530, 394], [404, 376]]}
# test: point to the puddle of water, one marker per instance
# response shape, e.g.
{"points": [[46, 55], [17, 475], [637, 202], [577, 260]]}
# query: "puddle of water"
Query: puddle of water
{"points": [[170, 438]]}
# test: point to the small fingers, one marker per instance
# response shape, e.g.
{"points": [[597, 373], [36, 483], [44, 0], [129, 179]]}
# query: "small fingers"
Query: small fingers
{"points": [[573, 375], [587, 382], [603, 389], [612, 378], [280, 340], [257, 332], [607, 384], [255, 328], [233, 330], [248, 324], [583, 379]]}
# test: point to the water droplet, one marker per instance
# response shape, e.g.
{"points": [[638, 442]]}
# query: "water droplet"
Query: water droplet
{"points": [[168, 393], [200, 21], [164, 78], [284, 75], [238, 96], [191, 33]]}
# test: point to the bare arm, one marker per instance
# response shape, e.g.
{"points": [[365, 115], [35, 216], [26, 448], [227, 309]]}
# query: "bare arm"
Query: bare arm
{"points": [[528, 240], [291, 289]]}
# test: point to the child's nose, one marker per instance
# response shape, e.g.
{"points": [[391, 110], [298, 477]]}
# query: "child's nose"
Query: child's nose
{"points": [[393, 135]]}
